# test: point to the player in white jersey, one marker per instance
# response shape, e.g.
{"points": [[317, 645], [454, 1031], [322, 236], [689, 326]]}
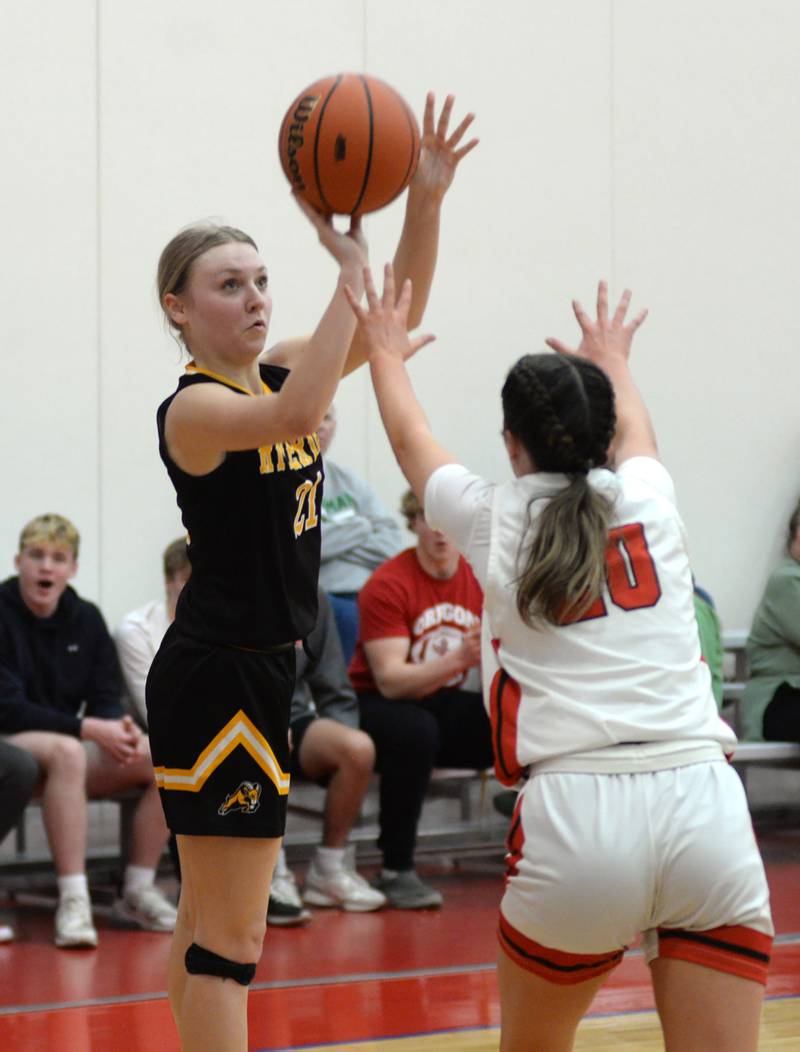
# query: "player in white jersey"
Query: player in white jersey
{"points": [[630, 819]]}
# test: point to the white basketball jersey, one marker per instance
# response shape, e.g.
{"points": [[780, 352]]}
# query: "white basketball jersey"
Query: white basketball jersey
{"points": [[630, 669]]}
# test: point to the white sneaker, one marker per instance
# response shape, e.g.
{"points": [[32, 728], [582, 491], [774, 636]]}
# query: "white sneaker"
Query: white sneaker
{"points": [[147, 908], [74, 922], [344, 888]]}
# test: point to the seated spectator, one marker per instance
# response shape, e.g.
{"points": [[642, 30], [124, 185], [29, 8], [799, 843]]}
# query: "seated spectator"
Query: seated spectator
{"points": [[140, 632], [772, 693], [358, 534], [328, 748], [416, 673], [19, 773], [710, 633], [60, 690]]}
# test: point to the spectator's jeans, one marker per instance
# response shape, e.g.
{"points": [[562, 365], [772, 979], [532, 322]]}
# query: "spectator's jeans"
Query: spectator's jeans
{"points": [[19, 773], [447, 729], [345, 611], [782, 715]]}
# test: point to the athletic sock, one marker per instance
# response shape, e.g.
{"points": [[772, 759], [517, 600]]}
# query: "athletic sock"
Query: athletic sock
{"points": [[73, 884], [329, 859], [137, 877], [390, 874]]}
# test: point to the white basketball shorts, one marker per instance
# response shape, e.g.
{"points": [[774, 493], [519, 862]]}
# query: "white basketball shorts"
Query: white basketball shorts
{"points": [[596, 859]]}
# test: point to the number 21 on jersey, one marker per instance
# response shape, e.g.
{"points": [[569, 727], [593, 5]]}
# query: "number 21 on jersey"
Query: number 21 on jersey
{"points": [[630, 572], [306, 516]]}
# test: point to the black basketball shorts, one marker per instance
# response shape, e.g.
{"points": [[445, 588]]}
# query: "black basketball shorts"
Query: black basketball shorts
{"points": [[218, 720]]}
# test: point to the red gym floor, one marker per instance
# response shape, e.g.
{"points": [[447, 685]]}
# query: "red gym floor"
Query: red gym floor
{"points": [[342, 978]]}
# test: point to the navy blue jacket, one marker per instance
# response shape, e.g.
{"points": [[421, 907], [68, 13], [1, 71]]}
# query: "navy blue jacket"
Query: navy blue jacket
{"points": [[52, 668]]}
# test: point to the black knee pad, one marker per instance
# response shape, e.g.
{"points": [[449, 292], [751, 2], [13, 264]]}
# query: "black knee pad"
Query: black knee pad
{"points": [[205, 962]]}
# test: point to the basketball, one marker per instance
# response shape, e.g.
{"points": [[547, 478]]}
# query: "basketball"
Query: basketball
{"points": [[349, 144]]}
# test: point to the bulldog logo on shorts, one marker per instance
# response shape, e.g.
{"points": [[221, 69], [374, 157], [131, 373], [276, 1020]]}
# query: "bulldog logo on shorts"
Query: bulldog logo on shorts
{"points": [[246, 798]]}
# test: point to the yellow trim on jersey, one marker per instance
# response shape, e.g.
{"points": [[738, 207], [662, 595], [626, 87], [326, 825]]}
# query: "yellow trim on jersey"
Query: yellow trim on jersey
{"points": [[238, 731], [192, 368]]}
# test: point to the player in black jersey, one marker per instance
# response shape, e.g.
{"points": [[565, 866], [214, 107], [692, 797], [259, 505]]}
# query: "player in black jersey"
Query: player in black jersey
{"points": [[237, 438]]}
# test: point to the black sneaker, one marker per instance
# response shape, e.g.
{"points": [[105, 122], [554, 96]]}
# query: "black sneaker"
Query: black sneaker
{"points": [[285, 910]]}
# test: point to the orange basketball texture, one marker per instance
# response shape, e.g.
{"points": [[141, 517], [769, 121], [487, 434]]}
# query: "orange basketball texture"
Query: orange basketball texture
{"points": [[349, 144]]}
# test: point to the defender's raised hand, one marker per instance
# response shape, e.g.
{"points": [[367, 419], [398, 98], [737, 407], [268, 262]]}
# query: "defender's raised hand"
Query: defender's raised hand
{"points": [[604, 339], [383, 322]]}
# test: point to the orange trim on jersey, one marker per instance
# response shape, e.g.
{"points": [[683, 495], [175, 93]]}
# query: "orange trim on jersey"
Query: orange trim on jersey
{"points": [[557, 966], [192, 368], [504, 698], [735, 950], [238, 731], [514, 841]]}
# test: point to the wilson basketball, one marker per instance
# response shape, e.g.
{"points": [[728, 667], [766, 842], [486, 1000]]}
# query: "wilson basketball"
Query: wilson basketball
{"points": [[349, 144]]}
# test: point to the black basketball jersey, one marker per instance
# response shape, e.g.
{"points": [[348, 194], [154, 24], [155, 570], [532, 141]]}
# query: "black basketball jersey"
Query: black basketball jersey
{"points": [[254, 534]]}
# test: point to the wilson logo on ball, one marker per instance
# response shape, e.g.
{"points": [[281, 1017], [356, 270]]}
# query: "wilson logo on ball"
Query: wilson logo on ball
{"points": [[303, 109], [349, 144]]}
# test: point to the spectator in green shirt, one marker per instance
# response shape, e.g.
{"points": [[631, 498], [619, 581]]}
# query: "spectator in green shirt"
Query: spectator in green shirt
{"points": [[710, 632], [772, 694]]}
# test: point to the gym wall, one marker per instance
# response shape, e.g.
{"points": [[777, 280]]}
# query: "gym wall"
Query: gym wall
{"points": [[651, 144]]}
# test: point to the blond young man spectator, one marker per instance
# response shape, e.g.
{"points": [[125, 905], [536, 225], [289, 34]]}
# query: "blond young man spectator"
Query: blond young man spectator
{"points": [[60, 690]]}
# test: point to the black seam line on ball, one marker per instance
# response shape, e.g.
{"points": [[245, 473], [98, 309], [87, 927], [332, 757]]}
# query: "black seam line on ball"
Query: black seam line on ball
{"points": [[317, 134], [371, 141]]}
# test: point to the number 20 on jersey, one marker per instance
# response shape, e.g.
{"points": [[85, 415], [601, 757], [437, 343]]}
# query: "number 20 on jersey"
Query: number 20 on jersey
{"points": [[630, 571]]}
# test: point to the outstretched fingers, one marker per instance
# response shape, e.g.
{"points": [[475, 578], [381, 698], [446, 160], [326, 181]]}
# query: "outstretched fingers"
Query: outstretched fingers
{"points": [[637, 321], [558, 346], [387, 302], [581, 316], [462, 151], [622, 308], [415, 343], [444, 116], [427, 119], [404, 302], [458, 134], [602, 302], [388, 299], [370, 290]]}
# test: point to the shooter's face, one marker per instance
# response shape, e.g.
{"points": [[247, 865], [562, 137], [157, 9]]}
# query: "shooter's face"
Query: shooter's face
{"points": [[225, 309]]}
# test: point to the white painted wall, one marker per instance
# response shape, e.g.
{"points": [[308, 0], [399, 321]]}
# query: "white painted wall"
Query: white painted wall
{"points": [[653, 144]]}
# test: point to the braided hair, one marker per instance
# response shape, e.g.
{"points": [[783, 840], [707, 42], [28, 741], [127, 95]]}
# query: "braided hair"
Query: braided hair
{"points": [[562, 411]]}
